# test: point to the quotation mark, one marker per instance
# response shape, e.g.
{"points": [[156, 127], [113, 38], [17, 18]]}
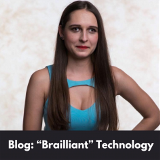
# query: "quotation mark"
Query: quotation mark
{"points": [[90, 141], [39, 141]]}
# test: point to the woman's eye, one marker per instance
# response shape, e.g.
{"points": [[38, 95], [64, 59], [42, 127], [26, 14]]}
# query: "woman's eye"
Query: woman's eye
{"points": [[75, 29], [92, 30]]}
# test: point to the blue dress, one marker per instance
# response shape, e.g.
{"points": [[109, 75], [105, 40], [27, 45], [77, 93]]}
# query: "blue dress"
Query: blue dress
{"points": [[79, 119]]}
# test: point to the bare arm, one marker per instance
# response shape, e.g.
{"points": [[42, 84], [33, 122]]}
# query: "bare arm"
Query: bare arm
{"points": [[34, 102], [129, 90]]}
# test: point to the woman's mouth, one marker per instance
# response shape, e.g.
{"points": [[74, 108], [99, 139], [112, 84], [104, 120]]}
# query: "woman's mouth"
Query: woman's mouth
{"points": [[82, 47]]}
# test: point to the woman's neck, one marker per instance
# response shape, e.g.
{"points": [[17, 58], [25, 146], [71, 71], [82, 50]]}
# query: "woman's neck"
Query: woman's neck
{"points": [[79, 69]]}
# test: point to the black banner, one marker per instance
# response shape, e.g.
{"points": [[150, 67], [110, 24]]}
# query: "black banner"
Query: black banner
{"points": [[80, 145]]}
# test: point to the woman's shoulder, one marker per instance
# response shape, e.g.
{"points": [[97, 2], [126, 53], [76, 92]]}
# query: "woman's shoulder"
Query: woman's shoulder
{"points": [[119, 77], [117, 72], [40, 78], [123, 82]]}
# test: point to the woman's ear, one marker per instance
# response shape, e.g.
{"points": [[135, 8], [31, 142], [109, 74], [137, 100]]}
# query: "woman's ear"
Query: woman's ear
{"points": [[60, 31]]}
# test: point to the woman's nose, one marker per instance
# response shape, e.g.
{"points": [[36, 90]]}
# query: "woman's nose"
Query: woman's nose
{"points": [[83, 36]]}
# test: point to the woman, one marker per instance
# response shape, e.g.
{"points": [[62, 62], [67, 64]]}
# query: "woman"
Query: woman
{"points": [[82, 76]]}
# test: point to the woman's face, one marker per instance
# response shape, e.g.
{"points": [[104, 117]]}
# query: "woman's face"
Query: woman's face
{"points": [[80, 34]]}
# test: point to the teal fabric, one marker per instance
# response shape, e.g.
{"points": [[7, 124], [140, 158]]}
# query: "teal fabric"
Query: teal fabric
{"points": [[79, 119]]}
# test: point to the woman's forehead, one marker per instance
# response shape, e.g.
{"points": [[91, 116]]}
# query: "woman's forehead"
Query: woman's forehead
{"points": [[82, 17]]}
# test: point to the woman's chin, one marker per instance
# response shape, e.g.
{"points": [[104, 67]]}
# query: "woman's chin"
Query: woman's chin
{"points": [[82, 56]]}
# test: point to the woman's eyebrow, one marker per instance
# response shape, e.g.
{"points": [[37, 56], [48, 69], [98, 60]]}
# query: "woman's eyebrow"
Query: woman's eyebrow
{"points": [[77, 25]]}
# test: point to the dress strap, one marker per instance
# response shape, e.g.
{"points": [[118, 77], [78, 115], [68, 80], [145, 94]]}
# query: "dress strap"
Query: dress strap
{"points": [[49, 70], [71, 83]]}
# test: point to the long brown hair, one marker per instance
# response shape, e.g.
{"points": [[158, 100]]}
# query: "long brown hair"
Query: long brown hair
{"points": [[59, 99]]}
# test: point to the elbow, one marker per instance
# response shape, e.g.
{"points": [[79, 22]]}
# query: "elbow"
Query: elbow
{"points": [[156, 119], [159, 118]]}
